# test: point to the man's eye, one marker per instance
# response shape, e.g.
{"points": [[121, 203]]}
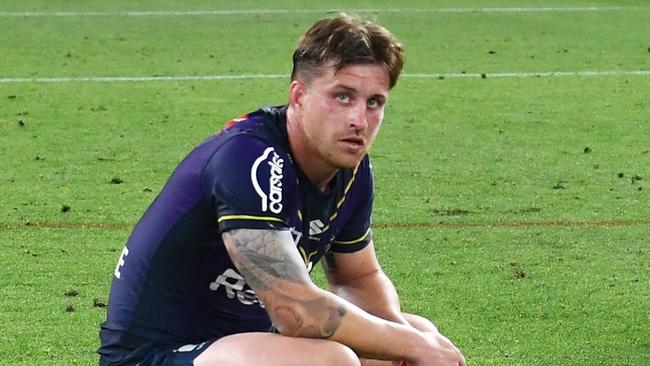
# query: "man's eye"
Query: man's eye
{"points": [[342, 97], [374, 103]]}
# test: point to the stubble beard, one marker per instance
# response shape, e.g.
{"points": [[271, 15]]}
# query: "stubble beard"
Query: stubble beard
{"points": [[341, 159]]}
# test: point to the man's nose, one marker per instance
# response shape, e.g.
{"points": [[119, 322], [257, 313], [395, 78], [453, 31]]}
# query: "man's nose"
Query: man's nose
{"points": [[359, 117]]}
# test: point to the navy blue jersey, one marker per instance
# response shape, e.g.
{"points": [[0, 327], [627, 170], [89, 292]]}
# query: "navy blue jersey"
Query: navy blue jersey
{"points": [[175, 283]]}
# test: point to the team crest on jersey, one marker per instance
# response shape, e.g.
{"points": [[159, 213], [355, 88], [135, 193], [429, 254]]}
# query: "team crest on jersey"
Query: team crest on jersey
{"points": [[271, 199]]}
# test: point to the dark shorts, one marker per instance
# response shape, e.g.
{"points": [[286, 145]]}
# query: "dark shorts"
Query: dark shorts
{"points": [[183, 355], [175, 356]]}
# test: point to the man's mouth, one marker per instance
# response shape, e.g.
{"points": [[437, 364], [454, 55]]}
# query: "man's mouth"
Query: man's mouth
{"points": [[354, 140], [354, 145]]}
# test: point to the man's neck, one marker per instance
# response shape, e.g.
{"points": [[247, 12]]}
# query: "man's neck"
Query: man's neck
{"points": [[319, 172]]}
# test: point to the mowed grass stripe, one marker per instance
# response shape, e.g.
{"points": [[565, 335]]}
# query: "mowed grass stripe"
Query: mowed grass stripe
{"points": [[280, 76], [227, 12]]}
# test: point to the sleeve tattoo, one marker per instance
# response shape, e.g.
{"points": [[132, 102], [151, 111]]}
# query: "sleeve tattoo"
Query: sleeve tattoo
{"points": [[262, 257], [271, 266]]}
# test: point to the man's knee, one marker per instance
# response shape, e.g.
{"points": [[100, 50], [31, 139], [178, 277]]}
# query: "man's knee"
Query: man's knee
{"points": [[339, 354], [276, 350], [420, 323]]}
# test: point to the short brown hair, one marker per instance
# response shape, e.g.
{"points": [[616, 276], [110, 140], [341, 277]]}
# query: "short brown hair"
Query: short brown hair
{"points": [[346, 40]]}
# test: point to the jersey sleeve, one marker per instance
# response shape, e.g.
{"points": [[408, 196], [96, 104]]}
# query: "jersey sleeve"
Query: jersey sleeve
{"points": [[357, 232], [251, 184]]}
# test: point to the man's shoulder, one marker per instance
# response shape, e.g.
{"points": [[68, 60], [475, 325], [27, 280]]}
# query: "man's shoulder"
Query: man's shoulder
{"points": [[267, 123], [247, 148], [245, 136], [252, 156]]}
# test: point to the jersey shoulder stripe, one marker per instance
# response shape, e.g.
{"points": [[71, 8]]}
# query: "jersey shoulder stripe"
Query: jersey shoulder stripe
{"points": [[248, 217], [355, 241]]}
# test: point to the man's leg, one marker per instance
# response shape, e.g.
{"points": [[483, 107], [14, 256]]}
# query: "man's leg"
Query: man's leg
{"points": [[268, 349], [420, 323]]}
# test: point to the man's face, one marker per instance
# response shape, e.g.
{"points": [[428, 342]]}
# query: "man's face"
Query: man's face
{"points": [[341, 113]]}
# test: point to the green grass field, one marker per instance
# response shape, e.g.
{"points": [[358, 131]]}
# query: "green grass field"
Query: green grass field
{"points": [[512, 209]]}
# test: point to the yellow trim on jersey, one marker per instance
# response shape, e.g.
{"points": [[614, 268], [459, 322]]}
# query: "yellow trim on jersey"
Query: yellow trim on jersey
{"points": [[347, 188], [248, 217], [305, 257], [345, 192], [354, 241]]}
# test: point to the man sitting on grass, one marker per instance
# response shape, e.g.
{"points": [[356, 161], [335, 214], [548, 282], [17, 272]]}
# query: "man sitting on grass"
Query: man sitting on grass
{"points": [[217, 270]]}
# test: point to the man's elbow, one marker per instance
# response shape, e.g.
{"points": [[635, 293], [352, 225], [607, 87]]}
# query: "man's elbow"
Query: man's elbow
{"points": [[289, 322], [319, 318]]}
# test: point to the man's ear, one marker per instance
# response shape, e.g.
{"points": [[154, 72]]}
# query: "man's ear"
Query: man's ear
{"points": [[297, 92]]}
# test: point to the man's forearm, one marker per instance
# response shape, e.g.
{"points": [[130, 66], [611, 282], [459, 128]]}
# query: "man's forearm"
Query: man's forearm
{"points": [[376, 338], [314, 313], [274, 270], [373, 293]]}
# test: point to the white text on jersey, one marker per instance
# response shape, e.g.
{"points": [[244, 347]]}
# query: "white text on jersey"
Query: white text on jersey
{"points": [[273, 200]]}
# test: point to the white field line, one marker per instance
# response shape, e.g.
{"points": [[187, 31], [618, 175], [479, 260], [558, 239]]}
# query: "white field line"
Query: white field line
{"points": [[147, 13], [530, 74], [141, 78], [283, 76]]}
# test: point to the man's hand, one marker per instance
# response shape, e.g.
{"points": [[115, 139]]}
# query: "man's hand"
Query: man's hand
{"points": [[358, 278], [270, 264], [438, 352], [445, 353]]}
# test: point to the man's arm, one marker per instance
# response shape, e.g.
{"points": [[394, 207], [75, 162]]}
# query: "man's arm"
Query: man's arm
{"points": [[274, 270], [271, 265], [358, 278]]}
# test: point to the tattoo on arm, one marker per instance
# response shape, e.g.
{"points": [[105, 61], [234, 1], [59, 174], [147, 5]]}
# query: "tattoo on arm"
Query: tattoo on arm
{"points": [[268, 261], [263, 258], [323, 321]]}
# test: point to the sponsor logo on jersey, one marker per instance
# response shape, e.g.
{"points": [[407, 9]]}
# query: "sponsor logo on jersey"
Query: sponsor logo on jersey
{"points": [[233, 283], [316, 227], [271, 200], [120, 263]]}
